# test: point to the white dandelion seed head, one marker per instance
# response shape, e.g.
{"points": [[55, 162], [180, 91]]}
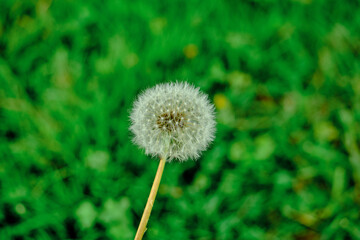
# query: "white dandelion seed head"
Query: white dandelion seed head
{"points": [[173, 121]]}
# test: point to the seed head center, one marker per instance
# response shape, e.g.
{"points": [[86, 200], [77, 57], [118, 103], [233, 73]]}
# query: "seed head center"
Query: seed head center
{"points": [[171, 120]]}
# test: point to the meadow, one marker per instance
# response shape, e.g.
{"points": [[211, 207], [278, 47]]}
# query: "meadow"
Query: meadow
{"points": [[284, 77]]}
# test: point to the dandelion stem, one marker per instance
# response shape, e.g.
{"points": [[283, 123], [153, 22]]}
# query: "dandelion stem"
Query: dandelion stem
{"points": [[150, 202]]}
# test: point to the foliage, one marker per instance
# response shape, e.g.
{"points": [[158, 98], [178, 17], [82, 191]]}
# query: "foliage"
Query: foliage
{"points": [[284, 77]]}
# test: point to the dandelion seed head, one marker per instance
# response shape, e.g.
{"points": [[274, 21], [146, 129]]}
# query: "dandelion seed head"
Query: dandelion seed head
{"points": [[174, 121]]}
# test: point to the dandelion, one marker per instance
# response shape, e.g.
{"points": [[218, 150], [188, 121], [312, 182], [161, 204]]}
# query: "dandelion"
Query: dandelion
{"points": [[171, 121]]}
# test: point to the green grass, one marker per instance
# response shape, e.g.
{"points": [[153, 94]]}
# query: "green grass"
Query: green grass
{"points": [[284, 76]]}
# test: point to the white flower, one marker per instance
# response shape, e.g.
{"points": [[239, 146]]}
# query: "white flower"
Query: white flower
{"points": [[173, 121]]}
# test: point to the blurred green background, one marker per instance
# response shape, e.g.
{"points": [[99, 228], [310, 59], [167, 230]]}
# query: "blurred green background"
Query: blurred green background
{"points": [[284, 77]]}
